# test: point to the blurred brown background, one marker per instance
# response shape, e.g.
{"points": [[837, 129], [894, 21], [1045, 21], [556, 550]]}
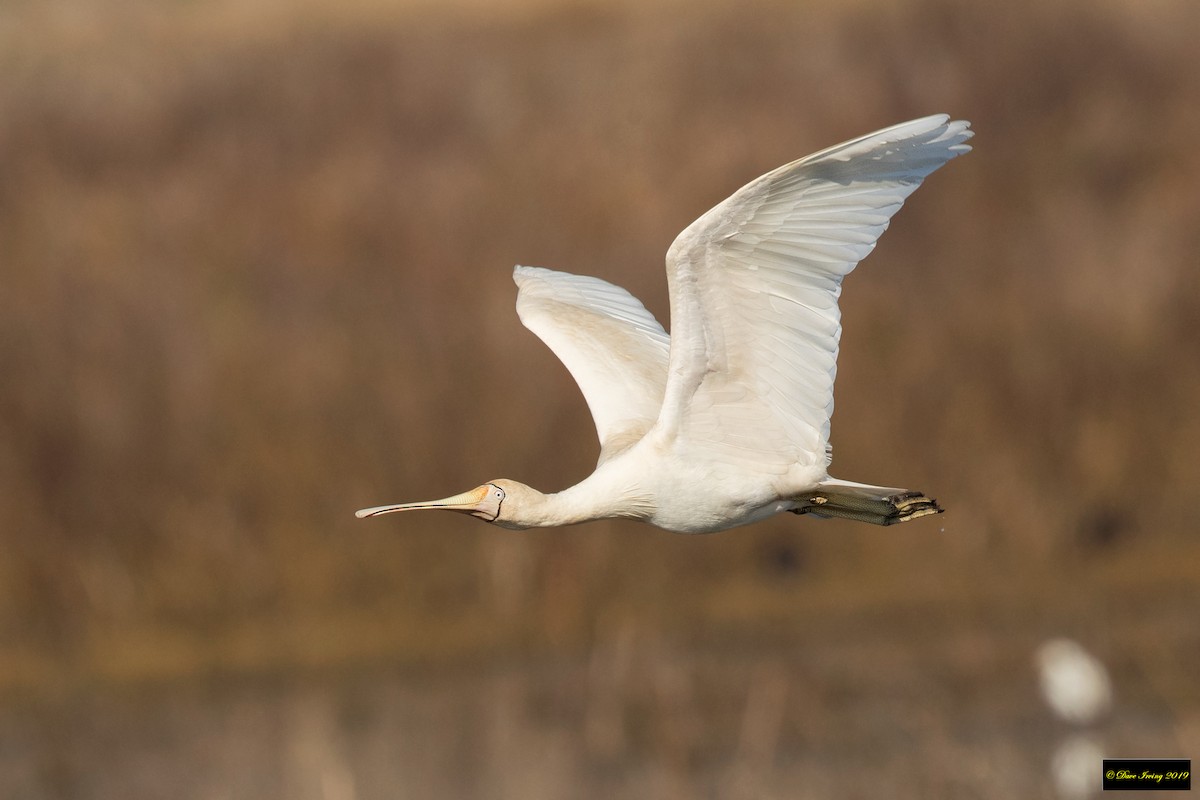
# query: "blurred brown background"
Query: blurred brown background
{"points": [[255, 273]]}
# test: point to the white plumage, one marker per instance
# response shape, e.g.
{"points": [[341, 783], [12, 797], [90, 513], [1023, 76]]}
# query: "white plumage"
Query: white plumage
{"points": [[726, 421]]}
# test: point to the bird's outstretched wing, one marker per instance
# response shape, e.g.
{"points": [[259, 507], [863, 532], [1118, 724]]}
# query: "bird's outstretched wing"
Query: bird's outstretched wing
{"points": [[612, 346], [754, 287]]}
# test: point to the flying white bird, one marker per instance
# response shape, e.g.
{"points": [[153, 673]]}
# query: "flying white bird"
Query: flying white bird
{"points": [[726, 421]]}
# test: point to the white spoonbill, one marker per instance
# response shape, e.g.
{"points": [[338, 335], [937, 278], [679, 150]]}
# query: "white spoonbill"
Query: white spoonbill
{"points": [[726, 421]]}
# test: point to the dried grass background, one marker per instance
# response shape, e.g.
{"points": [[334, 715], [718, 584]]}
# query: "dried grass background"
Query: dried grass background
{"points": [[255, 273]]}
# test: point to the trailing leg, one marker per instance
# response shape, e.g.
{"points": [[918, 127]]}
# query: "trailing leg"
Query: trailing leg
{"points": [[879, 505]]}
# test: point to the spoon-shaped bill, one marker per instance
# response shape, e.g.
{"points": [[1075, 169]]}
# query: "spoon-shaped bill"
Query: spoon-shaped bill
{"points": [[482, 501]]}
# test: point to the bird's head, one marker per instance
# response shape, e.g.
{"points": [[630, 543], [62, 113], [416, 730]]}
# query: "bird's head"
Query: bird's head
{"points": [[499, 502]]}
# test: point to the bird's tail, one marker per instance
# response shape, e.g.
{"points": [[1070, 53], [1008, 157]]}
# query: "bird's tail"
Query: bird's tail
{"points": [[878, 505]]}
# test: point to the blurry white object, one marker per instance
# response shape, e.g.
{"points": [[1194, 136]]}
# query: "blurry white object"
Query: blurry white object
{"points": [[725, 421], [1076, 768], [1074, 683]]}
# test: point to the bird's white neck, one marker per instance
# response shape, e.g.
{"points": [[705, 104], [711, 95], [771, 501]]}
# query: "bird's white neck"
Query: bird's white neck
{"points": [[596, 497]]}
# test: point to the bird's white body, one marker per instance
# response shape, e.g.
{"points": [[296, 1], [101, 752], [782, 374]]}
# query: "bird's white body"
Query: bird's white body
{"points": [[656, 482], [726, 421]]}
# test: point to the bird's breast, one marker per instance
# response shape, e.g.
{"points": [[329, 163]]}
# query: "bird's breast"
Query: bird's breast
{"points": [[699, 498]]}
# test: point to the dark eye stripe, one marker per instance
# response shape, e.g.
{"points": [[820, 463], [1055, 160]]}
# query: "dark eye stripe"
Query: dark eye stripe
{"points": [[500, 494]]}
